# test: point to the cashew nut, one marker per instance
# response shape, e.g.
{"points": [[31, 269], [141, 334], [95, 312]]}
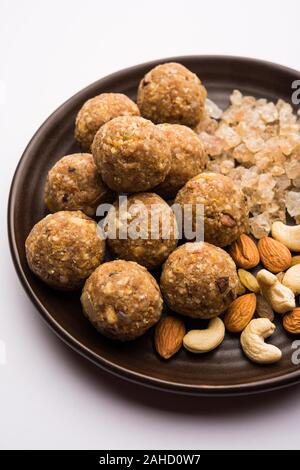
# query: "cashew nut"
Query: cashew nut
{"points": [[289, 235], [201, 341], [252, 341], [291, 279], [279, 296]]}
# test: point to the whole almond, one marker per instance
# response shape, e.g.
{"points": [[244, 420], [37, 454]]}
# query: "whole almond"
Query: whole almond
{"points": [[168, 336], [291, 321], [274, 255], [263, 308], [244, 252], [240, 313]]}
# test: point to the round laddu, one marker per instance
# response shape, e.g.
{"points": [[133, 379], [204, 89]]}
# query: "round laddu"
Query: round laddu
{"points": [[97, 111], [74, 183], [131, 154], [199, 280], [122, 300], [188, 158], [64, 248], [226, 213], [171, 93], [155, 230]]}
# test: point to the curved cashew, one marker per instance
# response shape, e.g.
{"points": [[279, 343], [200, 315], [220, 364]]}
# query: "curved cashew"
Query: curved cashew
{"points": [[252, 341], [279, 296], [201, 341], [289, 235], [291, 279]]}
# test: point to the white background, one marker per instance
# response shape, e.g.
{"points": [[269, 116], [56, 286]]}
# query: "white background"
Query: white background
{"points": [[49, 396]]}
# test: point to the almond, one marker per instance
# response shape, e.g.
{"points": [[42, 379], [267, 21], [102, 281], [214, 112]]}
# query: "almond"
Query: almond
{"points": [[240, 313], [274, 255], [168, 337], [244, 252], [291, 321]]}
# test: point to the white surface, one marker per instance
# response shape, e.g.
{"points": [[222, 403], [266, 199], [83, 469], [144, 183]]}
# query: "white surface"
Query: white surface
{"points": [[51, 397]]}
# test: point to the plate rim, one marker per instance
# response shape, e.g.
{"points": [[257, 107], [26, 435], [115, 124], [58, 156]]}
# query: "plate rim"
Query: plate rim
{"points": [[263, 385]]}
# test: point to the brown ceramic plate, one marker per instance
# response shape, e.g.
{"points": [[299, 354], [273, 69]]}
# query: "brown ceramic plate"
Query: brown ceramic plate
{"points": [[221, 372]]}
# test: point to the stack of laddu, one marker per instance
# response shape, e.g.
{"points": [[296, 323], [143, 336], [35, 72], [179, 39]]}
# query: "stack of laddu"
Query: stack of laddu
{"points": [[151, 152]]}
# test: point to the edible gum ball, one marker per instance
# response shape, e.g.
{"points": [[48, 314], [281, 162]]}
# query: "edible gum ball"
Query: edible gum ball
{"points": [[188, 158], [226, 212], [199, 280], [122, 300], [97, 111], [154, 244], [131, 154], [64, 248], [171, 93], [74, 183]]}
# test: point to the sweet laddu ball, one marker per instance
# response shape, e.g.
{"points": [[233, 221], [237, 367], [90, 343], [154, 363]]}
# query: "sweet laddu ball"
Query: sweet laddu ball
{"points": [[171, 93], [199, 280], [97, 111], [155, 227], [74, 183], [64, 248], [122, 300], [188, 158], [226, 212], [131, 154]]}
